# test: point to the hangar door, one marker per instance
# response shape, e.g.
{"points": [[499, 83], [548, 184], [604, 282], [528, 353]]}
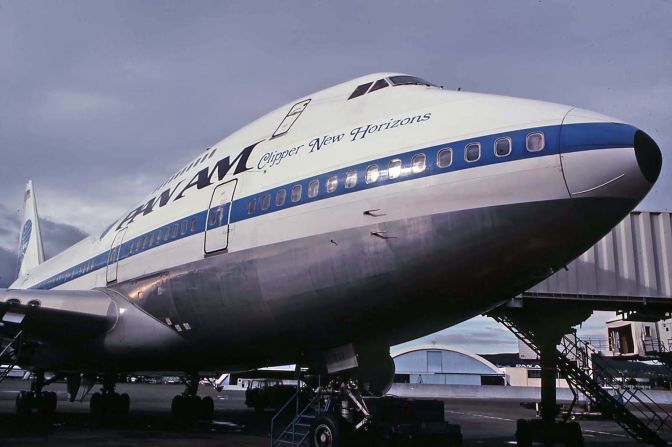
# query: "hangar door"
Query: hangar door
{"points": [[219, 213]]}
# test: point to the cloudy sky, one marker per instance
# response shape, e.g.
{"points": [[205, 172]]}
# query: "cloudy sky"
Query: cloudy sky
{"points": [[100, 101]]}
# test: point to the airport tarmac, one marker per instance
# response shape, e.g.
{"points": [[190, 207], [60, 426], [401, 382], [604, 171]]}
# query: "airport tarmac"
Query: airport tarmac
{"points": [[484, 422]]}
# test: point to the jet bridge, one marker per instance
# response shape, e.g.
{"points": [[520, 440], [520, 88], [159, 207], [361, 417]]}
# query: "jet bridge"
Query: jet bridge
{"points": [[628, 271]]}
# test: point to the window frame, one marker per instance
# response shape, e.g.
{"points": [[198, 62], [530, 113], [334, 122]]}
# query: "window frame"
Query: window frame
{"points": [[389, 168], [438, 157], [333, 179], [480, 150], [510, 146], [313, 191], [350, 175], [543, 142], [424, 164], [266, 201], [364, 88], [366, 174], [280, 192], [299, 188]]}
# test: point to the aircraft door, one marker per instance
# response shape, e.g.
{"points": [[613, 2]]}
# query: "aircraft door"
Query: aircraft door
{"points": [[219, 213], [113, 256]]}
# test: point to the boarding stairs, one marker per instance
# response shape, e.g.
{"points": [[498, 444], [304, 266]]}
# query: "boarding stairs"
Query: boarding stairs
{"points": [[290, 427], [579, 363], [9, 356]]}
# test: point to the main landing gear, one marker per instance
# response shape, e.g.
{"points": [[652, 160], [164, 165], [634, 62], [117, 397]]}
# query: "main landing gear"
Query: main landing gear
{"points": [[44, 402], [108, 402], [188, 405]]}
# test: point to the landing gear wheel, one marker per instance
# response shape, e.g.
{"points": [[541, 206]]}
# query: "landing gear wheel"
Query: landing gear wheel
{"points": [[207, 407], [325, 432], [24, 403], [47, 403], [124, 404], [96, 404], [523, 438], [574, 436], [177, 406]]}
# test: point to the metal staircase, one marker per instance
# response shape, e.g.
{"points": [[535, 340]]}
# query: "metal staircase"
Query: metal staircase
{"points": [[579, 363], [291, 424], [8, 356]]}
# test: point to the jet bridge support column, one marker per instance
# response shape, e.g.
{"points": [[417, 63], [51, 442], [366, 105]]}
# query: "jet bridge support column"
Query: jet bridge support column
{"points": [[544, 325], [549, 404]]}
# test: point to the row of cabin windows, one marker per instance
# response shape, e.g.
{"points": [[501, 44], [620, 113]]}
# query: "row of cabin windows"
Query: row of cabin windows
{"points": [[169, 232], [534, 142], [444, 158], [418, 164]]}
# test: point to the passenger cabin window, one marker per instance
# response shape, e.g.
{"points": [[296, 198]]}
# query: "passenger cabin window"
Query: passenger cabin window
{"points": [[332, 183], [296, 193], [194, 224], [535, 142], [280, 197], [444, 158], [502, 146], [351, 179], [472, 152], [394, 168], [183, 227], [409, 80], [418, 163], [313, 188], [173, 232], [360, 90], [266, 202], [380, 83], [372, 174], [251, 205]]}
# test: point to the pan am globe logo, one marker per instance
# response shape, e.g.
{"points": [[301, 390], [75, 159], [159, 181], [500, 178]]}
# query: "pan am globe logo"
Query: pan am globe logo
{"points": [[25, 238]]}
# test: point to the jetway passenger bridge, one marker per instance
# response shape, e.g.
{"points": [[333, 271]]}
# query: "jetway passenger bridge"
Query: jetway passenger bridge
{"points": [[629, 271]]}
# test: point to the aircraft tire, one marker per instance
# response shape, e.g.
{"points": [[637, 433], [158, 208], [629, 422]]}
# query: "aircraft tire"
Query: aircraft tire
{"points": [[24, 403], [207, 407], [124, 404], [325, 431], [96, 404]]}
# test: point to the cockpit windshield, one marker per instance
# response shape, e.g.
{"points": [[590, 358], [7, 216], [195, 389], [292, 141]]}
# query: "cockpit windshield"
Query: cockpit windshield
{"points": [[409, 80]]}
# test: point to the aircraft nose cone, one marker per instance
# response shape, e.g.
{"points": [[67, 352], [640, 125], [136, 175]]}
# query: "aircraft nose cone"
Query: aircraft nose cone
{"points": [[648, 156], [607, 159]]}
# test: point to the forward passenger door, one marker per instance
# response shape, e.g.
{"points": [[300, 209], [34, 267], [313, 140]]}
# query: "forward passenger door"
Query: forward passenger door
{"points": [[219, 214]]}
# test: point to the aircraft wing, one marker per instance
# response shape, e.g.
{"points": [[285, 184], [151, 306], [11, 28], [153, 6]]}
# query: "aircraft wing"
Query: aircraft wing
{"points": [[54, 315]]}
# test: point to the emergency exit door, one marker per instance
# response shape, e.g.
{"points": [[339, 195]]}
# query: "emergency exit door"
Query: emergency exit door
{"points": [[219, 213]]}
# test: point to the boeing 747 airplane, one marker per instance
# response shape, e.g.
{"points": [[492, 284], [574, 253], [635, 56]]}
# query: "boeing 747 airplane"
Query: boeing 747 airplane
{"points": [[350, 220]]}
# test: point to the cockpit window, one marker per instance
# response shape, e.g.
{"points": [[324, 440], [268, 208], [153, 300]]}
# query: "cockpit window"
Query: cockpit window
{"points": [[380, 83], [409, 80], [360, 90]]}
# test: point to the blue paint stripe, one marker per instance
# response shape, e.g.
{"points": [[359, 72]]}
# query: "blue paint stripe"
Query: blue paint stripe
{"points": [[571, 138]]}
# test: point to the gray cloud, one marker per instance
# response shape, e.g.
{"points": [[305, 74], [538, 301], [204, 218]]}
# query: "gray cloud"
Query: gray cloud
{"points": [[7, 267]]}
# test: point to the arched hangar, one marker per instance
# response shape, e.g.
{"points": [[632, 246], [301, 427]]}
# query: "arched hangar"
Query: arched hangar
{"points": [[444, 365]]}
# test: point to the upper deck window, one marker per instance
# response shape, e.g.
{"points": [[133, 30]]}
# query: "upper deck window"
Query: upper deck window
{"points": [[409, 80], [360, 90], [380, 83]]}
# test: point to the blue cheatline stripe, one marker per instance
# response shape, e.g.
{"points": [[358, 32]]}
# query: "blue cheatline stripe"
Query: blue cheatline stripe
{"points": [[571, 138]]}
